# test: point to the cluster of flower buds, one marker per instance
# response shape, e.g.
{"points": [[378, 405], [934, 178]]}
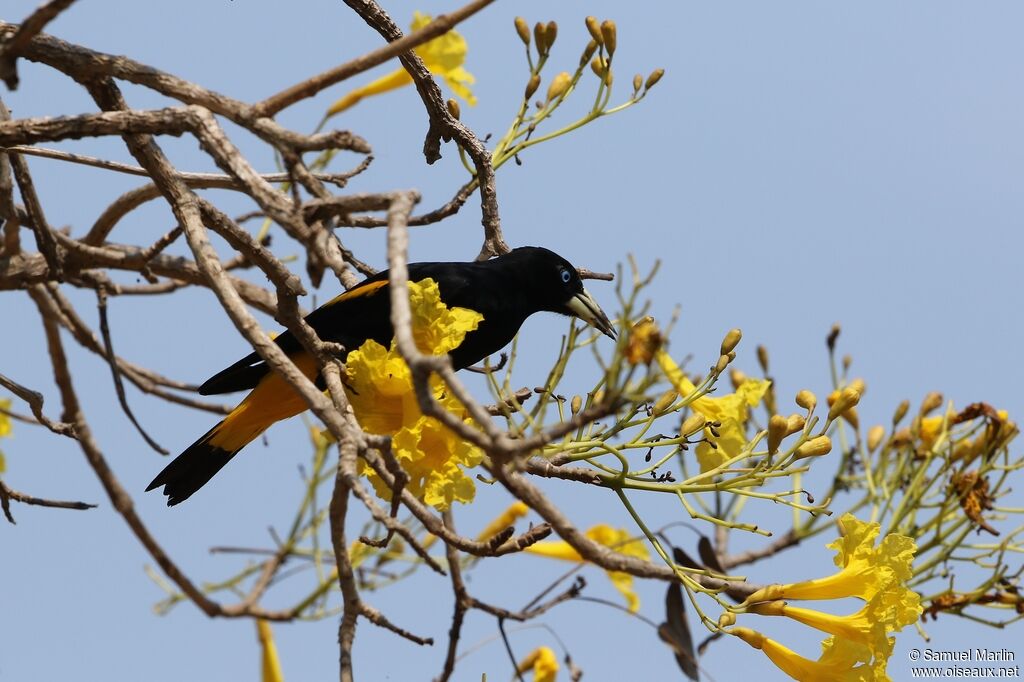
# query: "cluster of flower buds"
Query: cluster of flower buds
{"points": [[543, 34], [728, 354]]}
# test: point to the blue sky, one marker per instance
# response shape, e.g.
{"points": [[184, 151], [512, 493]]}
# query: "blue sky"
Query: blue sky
{"points": [[800, 164]]}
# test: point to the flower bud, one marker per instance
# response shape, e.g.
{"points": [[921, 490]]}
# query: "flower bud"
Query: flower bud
{"points": [[665, 401], [588, 52], [550, 33], [599, 396], [598, 65], [833, 334], [608, 32], [576, 404], [654, 78], [453, 108], [608, 78], [859, 386], [762, 358], [847, 361], [595, 30], [852, 418], [539, 31], [794, 423], [844, 400], [523, 30], [638, 82], [815, 447], [777, 430], [731, 340], [727, 619], [902, 437], [559, 85], [532, 86], [901, 412], [806, 400], [875, 435], [723, 362], [694, 423], [931, 402], [738, 377]]}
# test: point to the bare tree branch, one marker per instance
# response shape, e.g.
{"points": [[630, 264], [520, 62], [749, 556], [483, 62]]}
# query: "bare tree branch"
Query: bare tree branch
{"points": [[443, 124], [311, 86], [12, 45]]}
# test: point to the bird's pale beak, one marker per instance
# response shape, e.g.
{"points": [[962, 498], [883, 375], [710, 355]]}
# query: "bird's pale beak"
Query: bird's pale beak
{"points": [[586, 308]]}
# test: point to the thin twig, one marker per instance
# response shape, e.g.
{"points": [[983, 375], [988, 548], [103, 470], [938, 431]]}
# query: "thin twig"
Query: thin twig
{"points": [[122, 398], [7, 494], [35, 403]]}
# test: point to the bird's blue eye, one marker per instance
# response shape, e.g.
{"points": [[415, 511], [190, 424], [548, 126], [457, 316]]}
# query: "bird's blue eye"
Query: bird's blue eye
{"points": [[566, 276]]}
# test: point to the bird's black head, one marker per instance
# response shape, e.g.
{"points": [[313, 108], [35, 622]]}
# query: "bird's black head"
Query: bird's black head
{"points": [[555, 286]]}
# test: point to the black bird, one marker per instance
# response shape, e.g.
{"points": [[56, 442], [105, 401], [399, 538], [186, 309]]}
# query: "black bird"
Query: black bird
{"points": [[505, 290]]}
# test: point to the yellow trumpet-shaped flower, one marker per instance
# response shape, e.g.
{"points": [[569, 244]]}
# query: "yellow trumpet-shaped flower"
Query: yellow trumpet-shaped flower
{"points": [[615, 538], [443, 56], [515, 511], [869, 626], [866, 569], [840, 661], [382, 397], [860, 645], [271, 665], [731, 411], [542, 662]]}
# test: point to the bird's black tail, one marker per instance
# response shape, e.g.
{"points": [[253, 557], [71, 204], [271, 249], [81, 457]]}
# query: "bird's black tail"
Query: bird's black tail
{"points": [[193, 468]]}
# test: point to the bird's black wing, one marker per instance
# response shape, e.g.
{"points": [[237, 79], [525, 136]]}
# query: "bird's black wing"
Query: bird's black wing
{"points": [[349, 318], [352, 317]]}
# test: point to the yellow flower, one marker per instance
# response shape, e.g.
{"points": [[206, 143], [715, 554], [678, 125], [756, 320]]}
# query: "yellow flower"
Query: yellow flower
{"points": [[840, 661], [869, 626], [271, 666], [730, 410], [542, 662], [515, 511], [644, 340], [443, 56], [617, 539], [866, 570], [382, 397], [878, 575]]}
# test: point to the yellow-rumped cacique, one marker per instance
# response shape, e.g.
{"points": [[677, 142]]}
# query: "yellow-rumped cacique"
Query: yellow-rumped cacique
{"points": [[505, 290]]}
